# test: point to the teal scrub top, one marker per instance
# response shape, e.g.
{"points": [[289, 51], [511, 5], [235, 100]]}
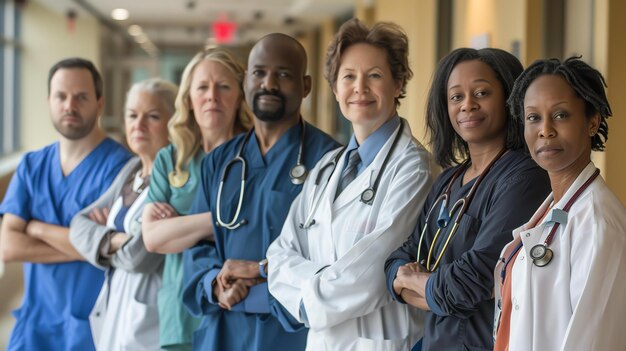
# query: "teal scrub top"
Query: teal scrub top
{"points": [[175, 323]]}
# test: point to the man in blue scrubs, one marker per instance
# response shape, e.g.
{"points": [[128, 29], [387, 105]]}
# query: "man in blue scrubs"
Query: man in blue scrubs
{"points": [[48, 188], [225, 280]]}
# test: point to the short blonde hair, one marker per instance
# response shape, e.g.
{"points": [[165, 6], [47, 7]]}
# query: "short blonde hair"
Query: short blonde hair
{"points": [[183, 128]]}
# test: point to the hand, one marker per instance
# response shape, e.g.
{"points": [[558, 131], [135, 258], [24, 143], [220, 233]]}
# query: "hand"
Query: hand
{"points": [[228, 297], [161, 210], [117, 241], [410, 268], [237, 269], [408, 276], [99, 215], [411, 297], [398, 286]]}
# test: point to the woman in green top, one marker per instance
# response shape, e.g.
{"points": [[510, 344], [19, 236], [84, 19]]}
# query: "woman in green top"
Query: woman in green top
{"points": [[210, 109]]}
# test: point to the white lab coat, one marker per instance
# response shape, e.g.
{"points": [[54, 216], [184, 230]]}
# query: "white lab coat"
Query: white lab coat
{"points": [[577, 301], [347, 304]]}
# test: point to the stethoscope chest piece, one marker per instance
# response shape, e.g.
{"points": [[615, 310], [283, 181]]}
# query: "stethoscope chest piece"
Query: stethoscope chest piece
{"points": [[367, 196], [298, 174], [541, 255]]}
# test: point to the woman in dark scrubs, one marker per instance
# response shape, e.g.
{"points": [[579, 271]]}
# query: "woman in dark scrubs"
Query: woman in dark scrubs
{"points": [[492, 187]]}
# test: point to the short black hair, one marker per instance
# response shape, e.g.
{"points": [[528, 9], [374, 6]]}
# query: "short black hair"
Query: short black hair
{"points": [[446, 144], [77, 62], [586, 81]]}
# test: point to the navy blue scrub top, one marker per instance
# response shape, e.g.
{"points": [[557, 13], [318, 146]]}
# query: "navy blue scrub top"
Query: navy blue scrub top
{"points": [[254, 323]]}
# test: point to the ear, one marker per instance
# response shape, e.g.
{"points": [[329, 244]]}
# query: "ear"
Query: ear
{"points": [[100, 106], [307, 85], [594, 124], [334, 89]]}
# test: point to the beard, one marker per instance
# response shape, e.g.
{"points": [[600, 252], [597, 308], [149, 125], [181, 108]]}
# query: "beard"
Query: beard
{"points": [[268, 115], [75, 131]]}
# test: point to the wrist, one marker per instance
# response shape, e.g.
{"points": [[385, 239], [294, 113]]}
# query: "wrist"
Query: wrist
{"points": [[117, 241]]}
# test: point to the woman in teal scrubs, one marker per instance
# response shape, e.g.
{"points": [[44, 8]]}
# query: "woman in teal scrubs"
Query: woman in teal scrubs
{"points": [[210, 109]]}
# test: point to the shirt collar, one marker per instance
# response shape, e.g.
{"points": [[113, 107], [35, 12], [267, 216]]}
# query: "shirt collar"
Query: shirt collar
{"points": [[370, 147]]}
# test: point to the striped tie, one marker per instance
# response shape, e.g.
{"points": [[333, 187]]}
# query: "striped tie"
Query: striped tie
{"points": [[349, 173]]}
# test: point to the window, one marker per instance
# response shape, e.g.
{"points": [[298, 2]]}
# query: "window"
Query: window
{"points": [[9, 76]]}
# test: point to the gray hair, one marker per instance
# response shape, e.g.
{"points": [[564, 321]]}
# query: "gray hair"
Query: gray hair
{"points": [[163, 89]]}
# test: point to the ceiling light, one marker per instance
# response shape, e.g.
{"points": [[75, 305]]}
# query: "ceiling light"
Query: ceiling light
{"points": [[119, 14], [135, 30]]}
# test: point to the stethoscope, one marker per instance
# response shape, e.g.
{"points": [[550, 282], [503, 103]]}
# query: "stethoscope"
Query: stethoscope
{"points": [[367, 196], [542, 254], [298, 174], [443, 220]]}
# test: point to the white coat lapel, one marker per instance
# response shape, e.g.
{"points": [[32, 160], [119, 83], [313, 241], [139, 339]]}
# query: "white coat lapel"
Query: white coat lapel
{"points": [[333, 182], [353, 191], [321, 249], [534, 232]]}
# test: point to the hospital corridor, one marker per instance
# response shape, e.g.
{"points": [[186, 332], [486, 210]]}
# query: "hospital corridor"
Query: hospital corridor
{"points": [[312, 175]]}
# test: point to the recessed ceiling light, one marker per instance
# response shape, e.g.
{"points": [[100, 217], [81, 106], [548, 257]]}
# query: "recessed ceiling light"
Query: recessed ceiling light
{"points": [[135, 30], [119, 14]]}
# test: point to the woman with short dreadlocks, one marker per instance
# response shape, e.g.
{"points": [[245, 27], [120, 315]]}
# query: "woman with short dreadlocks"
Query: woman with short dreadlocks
{"points": [[562, 281]]}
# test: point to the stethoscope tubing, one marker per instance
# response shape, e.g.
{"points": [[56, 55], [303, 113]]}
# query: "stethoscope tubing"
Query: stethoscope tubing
{"points": [[234, 223], [548, 241], [371, 190], [315, 201], [462, 202]]}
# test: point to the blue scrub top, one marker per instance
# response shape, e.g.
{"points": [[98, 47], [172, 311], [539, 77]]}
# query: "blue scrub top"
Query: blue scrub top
{"points": [[254, 323], [58, 297]]}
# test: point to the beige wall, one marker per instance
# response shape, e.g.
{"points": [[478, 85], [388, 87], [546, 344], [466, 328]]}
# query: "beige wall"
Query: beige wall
{"points": [[418, 18], [45, 40], [579, 29], [501, 20], [609, 52], [325, 98]]}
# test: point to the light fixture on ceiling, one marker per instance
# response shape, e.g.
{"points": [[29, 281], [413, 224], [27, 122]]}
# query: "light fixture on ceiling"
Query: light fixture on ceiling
{"points": [[120, 14], [135, 30]]}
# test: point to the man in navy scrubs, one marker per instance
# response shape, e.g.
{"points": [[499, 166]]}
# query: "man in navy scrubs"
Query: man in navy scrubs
{"points": [[225, 280]]}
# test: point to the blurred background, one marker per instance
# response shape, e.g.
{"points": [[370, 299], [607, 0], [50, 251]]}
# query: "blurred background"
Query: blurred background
{"points": [[133, 40]]}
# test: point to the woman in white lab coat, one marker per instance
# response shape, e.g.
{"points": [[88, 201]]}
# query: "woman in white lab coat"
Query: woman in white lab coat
{"points": [[562, 281], [326, 268], [108, 232]]}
